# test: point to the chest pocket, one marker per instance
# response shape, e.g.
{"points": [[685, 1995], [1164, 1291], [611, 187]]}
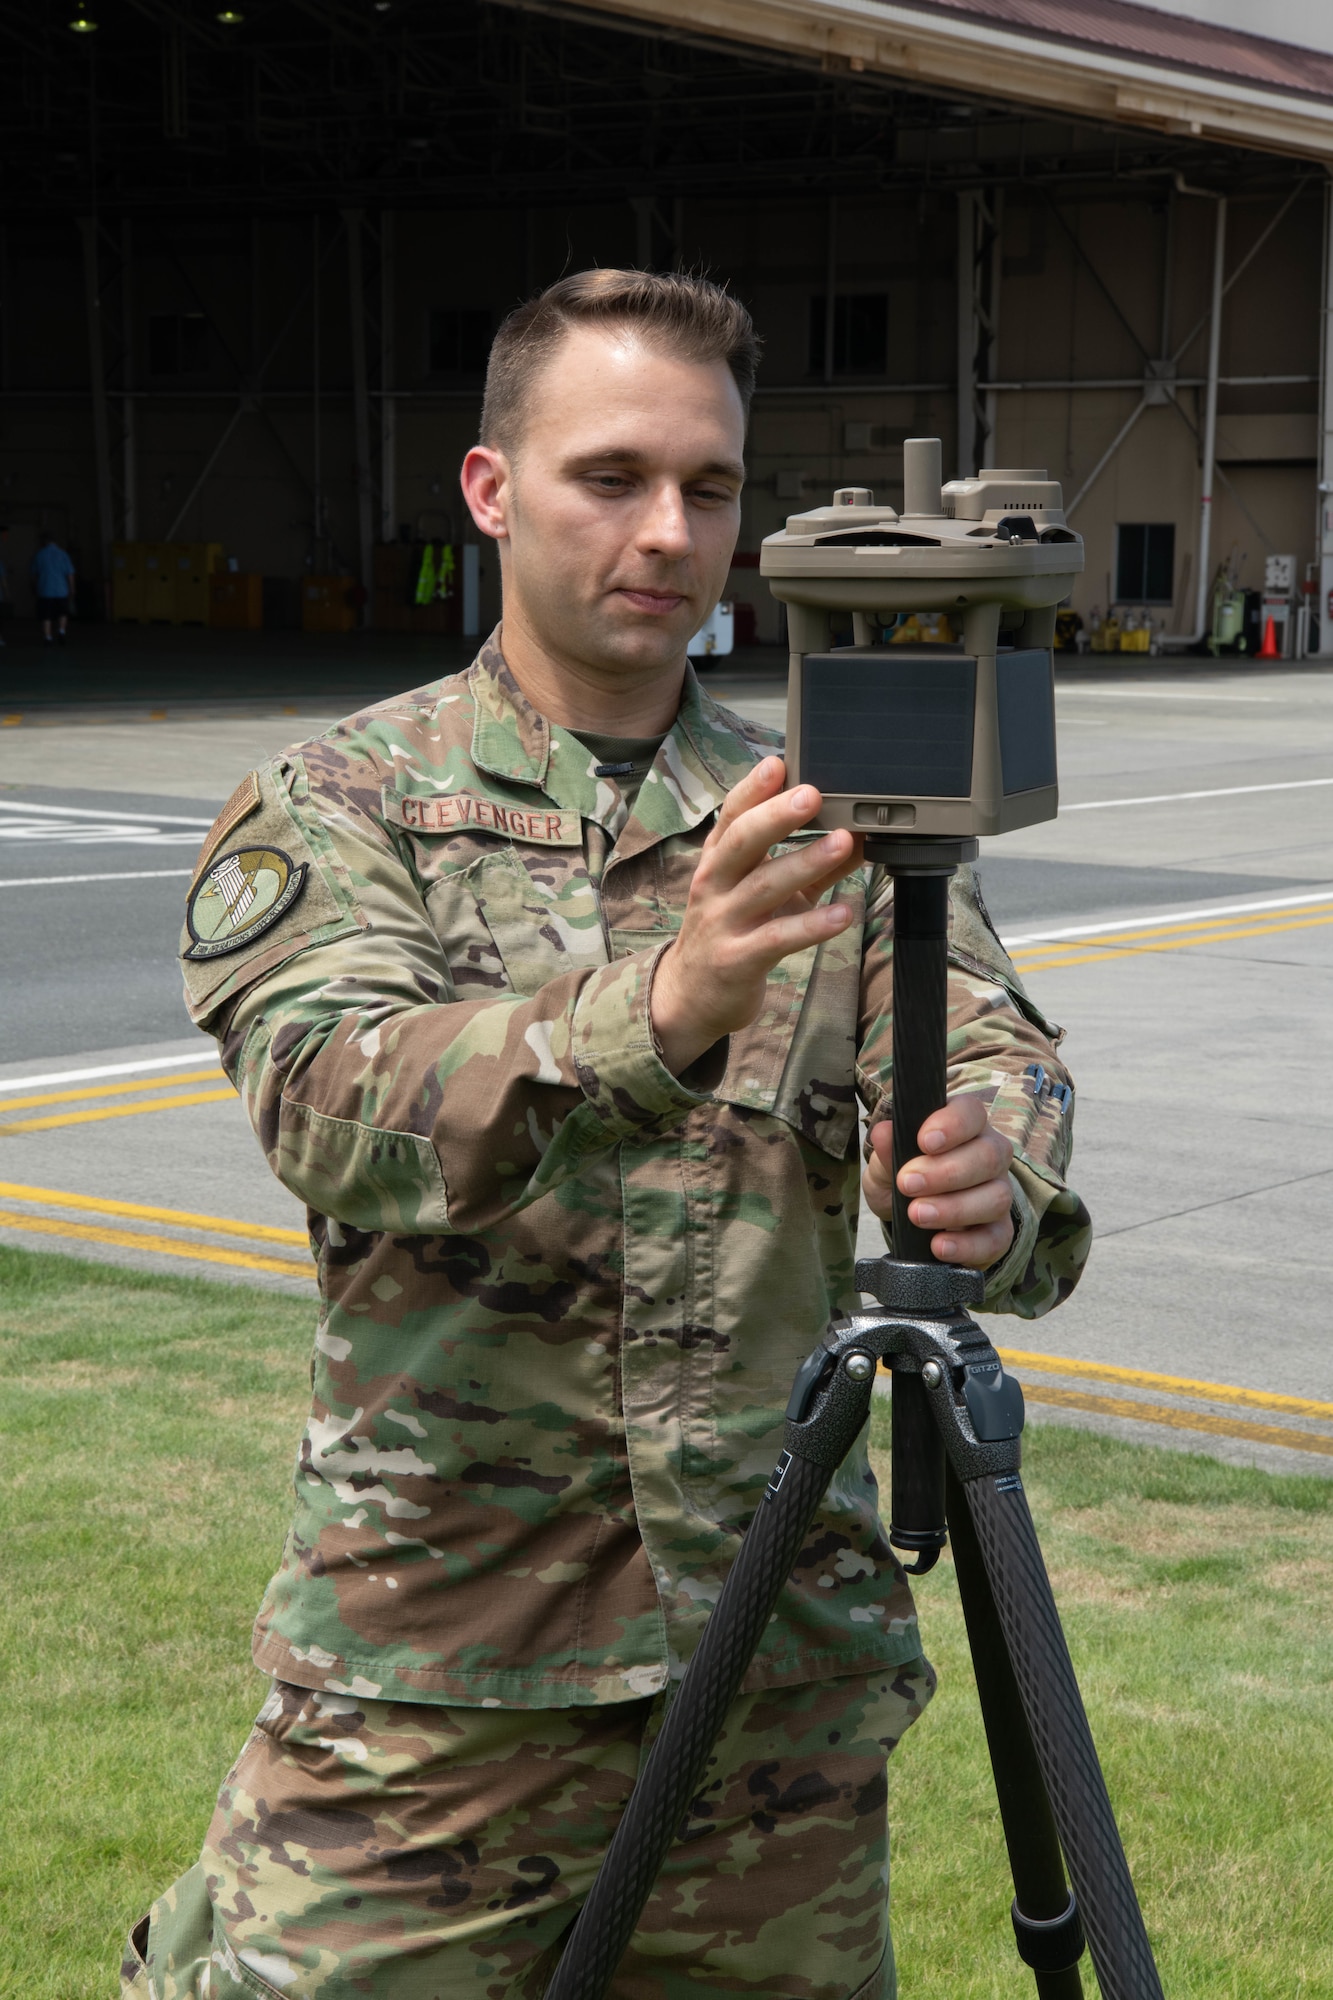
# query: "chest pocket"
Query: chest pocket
{"points": [[797, 1060], [512, 923]]}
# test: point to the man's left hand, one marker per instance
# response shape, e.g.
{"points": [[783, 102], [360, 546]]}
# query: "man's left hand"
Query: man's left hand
{"points": [[958, 1184]]}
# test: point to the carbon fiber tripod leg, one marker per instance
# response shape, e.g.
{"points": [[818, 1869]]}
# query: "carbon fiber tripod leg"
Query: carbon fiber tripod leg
{"points": [[1046, 1921], [1034, 1642], [678, 1760]]}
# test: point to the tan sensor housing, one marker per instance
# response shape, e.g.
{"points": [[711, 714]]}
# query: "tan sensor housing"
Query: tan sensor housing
{"points": [[948, 740]]}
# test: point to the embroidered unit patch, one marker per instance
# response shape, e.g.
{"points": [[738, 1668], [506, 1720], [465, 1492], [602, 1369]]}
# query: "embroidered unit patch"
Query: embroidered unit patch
{"points": [[240, 897], [450, 812]]}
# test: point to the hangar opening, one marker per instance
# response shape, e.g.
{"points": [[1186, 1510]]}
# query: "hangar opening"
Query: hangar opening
{"points": [[251, 259]]}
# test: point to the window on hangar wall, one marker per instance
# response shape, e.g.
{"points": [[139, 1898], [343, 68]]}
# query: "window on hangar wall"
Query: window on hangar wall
{"points": [[177, 344], [860, 333], [458, 339], [1145, 561]]}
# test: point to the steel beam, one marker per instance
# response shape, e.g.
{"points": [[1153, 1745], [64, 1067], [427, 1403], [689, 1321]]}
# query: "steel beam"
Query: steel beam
{"points": [[97, 380], [128, 404], [388, 402], [830, 284], [356, 289], [1324, 539], [978, 323], [1204, 579]]}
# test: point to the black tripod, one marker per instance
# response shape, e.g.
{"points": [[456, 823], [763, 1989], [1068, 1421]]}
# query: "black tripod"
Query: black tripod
{"points": [[956, 1424]]}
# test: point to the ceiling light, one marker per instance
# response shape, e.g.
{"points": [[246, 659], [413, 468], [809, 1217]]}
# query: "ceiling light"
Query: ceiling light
{"points": [[229, 17], [81, 25], [383, 6]]}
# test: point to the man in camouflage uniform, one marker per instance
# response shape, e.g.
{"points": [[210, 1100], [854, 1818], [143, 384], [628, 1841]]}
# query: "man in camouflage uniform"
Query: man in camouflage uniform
{"points": [[537, 999]]}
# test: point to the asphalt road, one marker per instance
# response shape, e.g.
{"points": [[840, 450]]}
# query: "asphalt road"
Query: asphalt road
{"points": [[91, 887], [1190, 862]]}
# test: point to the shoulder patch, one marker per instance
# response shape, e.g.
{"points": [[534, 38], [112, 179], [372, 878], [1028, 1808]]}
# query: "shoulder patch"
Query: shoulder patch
{"points": [[243, 801], [450, 812], [238, 898]]}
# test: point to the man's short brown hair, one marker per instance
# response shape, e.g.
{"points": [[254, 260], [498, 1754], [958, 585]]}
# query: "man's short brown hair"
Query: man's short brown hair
{"points": [[679, 314]]}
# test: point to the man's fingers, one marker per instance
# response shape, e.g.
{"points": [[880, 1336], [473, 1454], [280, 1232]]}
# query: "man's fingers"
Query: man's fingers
{"points": [[962, 1118], [967, 1166], [798, 878], [740, 841], [974, 1249], [764, 782], [879, 1166], [972, 1208], [784, 935], [839, 872]]}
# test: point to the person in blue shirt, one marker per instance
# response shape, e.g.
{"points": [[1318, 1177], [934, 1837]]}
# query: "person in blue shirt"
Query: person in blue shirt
{"points": [[53, 585]]}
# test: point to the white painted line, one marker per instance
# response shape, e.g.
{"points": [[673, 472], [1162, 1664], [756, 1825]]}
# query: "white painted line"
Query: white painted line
{"points": [[87, 812], [127, 875], [1172, 798], [1112, 925], [1164, 694], [104, 1069]]}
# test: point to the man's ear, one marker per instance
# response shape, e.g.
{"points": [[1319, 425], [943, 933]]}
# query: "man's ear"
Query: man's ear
{"points": [[487, 483]]}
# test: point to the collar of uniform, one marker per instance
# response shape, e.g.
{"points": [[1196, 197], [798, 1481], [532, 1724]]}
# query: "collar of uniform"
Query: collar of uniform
{"points": [[702, 757], [509, 738]]}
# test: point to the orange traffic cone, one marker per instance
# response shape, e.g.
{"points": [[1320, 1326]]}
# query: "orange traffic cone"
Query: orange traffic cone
{"points": [[1270, 650]]}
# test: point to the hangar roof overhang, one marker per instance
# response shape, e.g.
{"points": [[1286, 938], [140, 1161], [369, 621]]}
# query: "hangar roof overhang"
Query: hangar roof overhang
{"points": [[184, 107], [1102, 59]]}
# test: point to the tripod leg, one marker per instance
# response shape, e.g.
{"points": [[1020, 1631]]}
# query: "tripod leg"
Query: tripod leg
{"points": [[1034, 1643], [1046, 1924], [678, 1760]]}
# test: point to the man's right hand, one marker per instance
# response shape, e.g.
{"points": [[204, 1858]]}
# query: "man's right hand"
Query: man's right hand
{"points": [[746, 911]]}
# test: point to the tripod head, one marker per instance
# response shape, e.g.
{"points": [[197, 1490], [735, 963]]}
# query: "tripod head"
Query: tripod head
{"points": [[951, 739]]}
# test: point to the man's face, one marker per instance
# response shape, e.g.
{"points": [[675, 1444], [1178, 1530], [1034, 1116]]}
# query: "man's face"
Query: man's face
{"points": [[619, 511]]}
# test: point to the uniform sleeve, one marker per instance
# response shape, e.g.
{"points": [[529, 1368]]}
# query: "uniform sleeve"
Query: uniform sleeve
{"points": [[1003, 1050], [379, 1097]]}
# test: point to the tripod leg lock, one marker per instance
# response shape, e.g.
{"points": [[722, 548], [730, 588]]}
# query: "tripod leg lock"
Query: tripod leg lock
{"points": [[1050, 1944]]}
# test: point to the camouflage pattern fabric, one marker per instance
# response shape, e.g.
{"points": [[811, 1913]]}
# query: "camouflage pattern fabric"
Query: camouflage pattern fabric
{"points": [[367, 1850], [563, 1291]]}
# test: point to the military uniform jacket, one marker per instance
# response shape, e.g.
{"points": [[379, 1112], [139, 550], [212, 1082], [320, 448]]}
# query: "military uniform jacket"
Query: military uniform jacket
{"points": [[563, 1292]]}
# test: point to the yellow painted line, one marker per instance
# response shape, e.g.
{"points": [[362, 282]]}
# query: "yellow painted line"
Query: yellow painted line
{"points": [[1180, 1420], [1028, 964], [184, 1218], [1180, 937], [117, 1111], [163, 1246], [1140, 1378], [1108, 934], [113, 1089]]}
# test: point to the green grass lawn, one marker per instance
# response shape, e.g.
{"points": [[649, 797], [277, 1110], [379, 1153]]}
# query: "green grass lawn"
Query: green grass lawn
{"points": [[149, 1425]]}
